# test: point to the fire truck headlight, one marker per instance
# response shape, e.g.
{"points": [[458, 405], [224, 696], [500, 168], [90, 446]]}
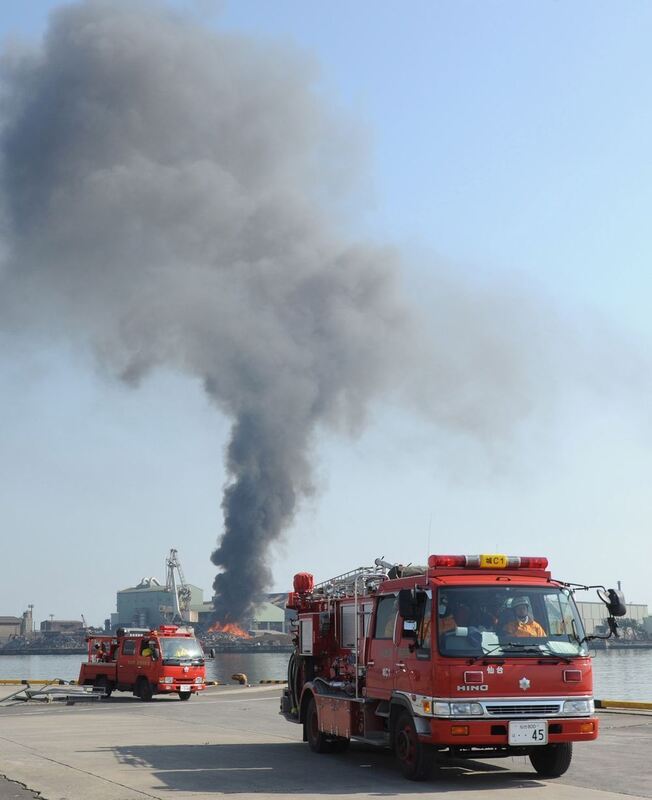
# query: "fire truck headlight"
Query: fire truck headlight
{"points": [[199, 680], [466, 709], [166, 679], [578, 707], [441, 709]]}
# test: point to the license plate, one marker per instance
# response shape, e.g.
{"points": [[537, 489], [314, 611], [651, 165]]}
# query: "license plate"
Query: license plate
{"points": [[184, 688], [530, 732]]}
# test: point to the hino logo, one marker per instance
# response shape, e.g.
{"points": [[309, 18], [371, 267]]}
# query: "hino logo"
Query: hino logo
{"points": [[482, 687]]}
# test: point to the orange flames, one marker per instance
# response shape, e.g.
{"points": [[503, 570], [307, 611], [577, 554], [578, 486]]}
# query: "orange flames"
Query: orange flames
{"points": [[231, 628]]}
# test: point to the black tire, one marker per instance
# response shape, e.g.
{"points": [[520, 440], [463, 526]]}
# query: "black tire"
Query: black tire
{"points": [[415, 758], [317, 741], [184, 695], [102, 683], [144, 690], [552, 760], [339, 745]]}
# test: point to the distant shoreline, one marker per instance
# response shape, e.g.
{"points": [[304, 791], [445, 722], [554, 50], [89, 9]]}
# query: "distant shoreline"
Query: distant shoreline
{"points": [[46, 651], [74, 651]]}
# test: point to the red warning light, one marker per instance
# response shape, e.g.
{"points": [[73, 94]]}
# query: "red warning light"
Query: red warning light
{"points": [[446, 561], [534, 562]]}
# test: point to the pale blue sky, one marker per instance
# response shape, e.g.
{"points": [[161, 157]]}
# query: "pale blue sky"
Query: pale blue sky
{"points": [[512, 139]]}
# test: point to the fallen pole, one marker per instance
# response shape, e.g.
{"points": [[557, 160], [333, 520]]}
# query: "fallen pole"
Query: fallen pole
{"points": [[624, 704], [28, 681]]}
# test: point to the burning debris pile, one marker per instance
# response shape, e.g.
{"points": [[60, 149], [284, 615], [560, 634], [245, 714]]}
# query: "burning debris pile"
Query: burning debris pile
{"points": [[227, 632], [232, 638]]}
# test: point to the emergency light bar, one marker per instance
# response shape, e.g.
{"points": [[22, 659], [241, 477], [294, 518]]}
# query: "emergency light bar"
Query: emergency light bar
{"points": [[489, 561]]}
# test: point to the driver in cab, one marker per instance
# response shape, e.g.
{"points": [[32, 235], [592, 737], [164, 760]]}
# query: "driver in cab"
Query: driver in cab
{"points": [[523, 623]]}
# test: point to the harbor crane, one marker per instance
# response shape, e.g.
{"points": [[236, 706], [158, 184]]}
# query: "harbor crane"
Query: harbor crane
{"points": [[178, 588]]}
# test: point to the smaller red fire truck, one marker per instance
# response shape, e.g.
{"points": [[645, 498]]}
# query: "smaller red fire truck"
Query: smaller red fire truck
{"points": [[146, 662], [470, 656]]}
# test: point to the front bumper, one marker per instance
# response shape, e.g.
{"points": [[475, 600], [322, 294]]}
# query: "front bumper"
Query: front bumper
{"points": [[180, 687], [494, 732]]}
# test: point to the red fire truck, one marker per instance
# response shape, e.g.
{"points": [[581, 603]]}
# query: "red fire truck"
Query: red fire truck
{"points": [[471, 656], [146, 662]]}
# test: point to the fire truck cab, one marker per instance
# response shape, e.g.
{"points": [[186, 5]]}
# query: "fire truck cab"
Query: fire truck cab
{"points": [[163, 660], [471, 656]]}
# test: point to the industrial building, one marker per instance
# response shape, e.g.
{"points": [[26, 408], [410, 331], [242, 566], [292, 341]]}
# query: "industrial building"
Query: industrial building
{"points": [[594, 615], [56, 626], [269, 615], [150, 604], [11, 627]]}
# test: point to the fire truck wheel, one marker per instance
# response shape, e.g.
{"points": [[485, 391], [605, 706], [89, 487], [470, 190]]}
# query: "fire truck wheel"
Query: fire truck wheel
{"points": [[184, 695], [552, 760], [102, 683], [317, 741], [415, 758], [144, 689]]}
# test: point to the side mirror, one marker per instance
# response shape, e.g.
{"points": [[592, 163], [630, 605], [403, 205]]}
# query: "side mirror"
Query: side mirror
{"points": [[154, 655], [407, 604], [615, 602]]}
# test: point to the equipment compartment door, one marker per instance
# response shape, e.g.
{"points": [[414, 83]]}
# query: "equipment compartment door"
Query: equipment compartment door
{"points": [[127, 662], [382, 650]]}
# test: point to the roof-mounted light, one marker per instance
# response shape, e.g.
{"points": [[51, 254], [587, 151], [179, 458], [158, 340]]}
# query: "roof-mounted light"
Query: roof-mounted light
{"points": [[447, 561], [534, 562], [488, 561]]}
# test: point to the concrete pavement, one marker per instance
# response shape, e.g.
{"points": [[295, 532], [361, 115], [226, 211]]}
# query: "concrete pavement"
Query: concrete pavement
{"points": [[232, 741]]}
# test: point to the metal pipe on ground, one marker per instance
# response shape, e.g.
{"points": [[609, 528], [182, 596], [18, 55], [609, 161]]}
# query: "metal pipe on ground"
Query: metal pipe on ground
{"points": [[628, 705]]}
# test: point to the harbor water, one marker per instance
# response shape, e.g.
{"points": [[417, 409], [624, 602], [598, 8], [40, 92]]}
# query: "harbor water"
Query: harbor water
{"points": [[256, 666], [618, 674]]}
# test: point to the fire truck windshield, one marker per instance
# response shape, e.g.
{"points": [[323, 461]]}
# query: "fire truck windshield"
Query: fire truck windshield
{"points": [[524, 621], [176, 649]]}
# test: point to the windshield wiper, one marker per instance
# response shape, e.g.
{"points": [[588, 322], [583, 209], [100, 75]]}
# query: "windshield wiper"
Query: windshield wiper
{"points": [[491, 650], [522, 647]]}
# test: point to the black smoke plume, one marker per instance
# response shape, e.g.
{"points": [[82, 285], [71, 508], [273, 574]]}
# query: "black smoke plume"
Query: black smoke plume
{"points": [[165, 192], [172, 196]]}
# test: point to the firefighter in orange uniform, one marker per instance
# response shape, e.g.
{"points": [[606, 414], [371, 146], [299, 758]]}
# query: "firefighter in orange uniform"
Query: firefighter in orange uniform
{"points": [[523, 623]]}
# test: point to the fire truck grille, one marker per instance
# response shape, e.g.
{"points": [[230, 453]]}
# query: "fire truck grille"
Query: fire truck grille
{"points": [[522, 710]]}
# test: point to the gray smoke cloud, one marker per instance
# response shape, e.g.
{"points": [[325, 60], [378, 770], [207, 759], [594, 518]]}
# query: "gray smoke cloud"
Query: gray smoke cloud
{"points": [[167, 196], [163, 196]]}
